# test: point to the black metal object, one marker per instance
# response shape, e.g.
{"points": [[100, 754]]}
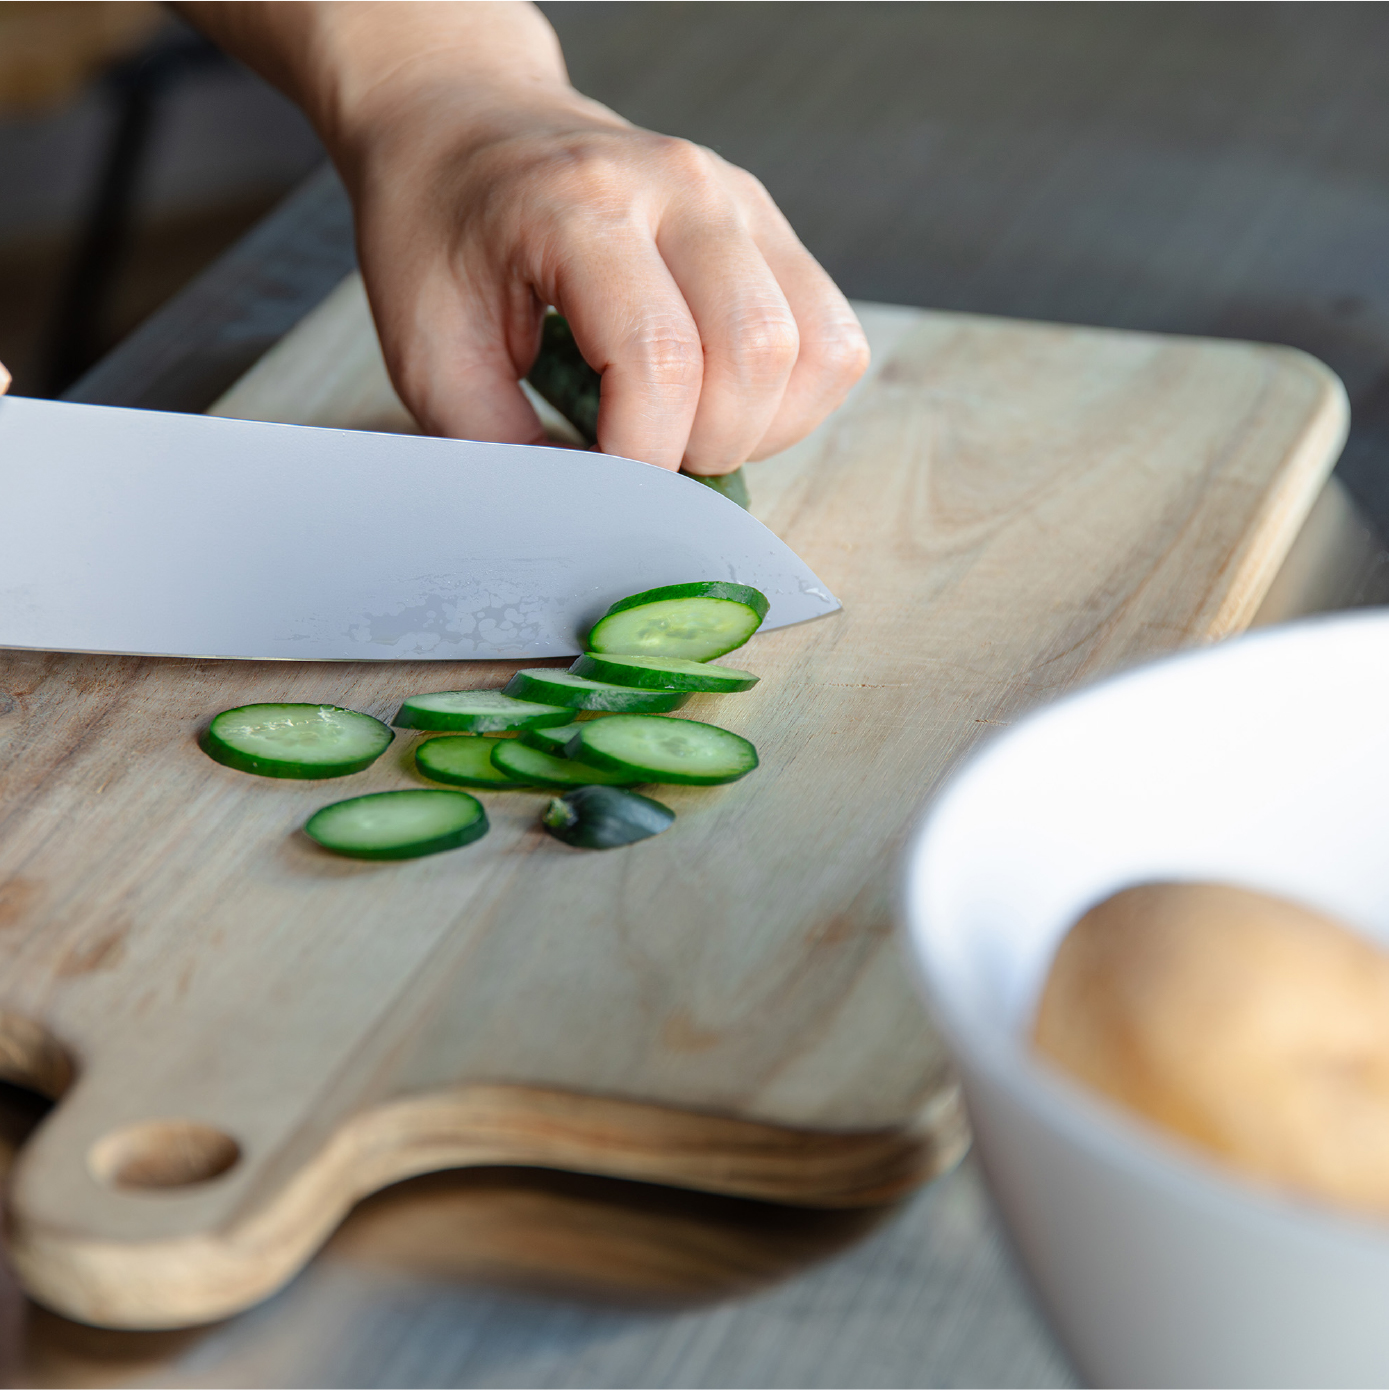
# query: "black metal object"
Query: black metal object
{"points": [[192, 348], [136, 89]]}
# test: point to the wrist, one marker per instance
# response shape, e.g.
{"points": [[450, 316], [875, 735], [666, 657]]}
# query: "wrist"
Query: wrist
{"points": [[411, 73], [360, 70]]}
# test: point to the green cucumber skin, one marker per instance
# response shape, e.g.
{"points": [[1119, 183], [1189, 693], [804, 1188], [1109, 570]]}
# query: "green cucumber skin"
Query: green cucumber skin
{"points": [[561, 376], [716, 588], [444, 721], [552, 739], [581, 752], [235, 759], [625, 699], [732, 485], [613, 633], [605, 818], [596, 666], [579, 775], [501, 782], [300, 772], [455, 839]]}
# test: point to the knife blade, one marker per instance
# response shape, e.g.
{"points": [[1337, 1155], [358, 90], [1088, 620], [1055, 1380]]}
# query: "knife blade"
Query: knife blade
{"points": [[150, 533]]}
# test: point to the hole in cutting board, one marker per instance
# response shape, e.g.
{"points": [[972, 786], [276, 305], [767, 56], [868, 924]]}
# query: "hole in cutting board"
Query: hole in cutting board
{"points": [[31, 1057], [162, 1154]]}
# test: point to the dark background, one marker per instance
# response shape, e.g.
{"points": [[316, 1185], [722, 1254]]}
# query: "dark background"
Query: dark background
{"points": [[1210, 169]]}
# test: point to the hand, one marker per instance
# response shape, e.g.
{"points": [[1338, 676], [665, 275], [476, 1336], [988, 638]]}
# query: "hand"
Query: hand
{"points": [[718, 337], [4, 379], [486, 188]]}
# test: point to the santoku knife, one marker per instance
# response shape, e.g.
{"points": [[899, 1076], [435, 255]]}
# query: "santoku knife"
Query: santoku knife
{"points": [[151, 533]]}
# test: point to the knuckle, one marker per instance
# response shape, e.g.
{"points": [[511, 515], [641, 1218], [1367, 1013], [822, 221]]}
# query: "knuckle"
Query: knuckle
{"points": [[579, 173], [765, 343], [844, 354], [607, 172], [683, 158], [669, 357], [592, 178], [748, 185]]}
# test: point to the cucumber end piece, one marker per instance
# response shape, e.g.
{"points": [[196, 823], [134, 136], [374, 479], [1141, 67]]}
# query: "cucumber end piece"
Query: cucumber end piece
{"points": [[595, 817], [559, 814]]}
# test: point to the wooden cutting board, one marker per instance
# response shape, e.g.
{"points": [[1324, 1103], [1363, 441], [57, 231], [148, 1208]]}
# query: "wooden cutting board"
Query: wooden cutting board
{"points": [[247, 1034]]}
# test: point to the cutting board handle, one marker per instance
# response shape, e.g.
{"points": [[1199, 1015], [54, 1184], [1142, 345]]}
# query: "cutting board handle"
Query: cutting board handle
{"points": [[170, 1221]]}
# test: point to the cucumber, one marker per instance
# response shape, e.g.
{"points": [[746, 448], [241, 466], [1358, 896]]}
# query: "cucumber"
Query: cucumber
{"points": [[663, 673], [303, 741], [563, 378], [547, 770], [398, 825], [475, 712], [465, 760], [712, 588], [693, 621], [559, 687], [604, 817], [651, 749], [552, 739], [732, 485]]}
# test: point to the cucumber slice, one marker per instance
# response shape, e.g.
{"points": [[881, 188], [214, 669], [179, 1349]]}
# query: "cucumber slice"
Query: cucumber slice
{"points": [[693, 621], [552, 740], [476, 712], [465, 761], [713, 588], [398, 825], [559, 687], [605, 817], [663, 673], [677, 751], [304, 741], [546, 770]]}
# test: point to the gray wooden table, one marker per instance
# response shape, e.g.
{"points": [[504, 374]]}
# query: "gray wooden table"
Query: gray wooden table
{"points": [[1213, 169]]}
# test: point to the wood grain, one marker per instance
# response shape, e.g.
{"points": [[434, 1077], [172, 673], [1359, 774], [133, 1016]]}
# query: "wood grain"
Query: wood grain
{"points": [[1204, 169], [1005, 510]]}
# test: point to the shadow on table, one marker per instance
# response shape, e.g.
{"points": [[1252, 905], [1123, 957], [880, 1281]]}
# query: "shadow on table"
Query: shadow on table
{"points": [[599, 1240]]}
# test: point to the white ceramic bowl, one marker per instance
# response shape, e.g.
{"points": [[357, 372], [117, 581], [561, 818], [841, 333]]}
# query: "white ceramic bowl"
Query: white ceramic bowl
{"points": [[1262, 761]]}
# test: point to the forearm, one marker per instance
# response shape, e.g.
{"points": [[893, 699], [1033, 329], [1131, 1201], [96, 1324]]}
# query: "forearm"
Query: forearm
{"points": [[357, 68], [485, 188]]}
